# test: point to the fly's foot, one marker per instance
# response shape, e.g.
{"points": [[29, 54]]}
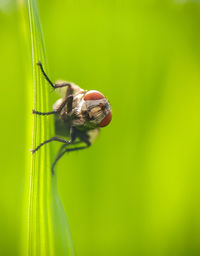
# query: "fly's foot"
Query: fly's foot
{"points": [[39, 63]]}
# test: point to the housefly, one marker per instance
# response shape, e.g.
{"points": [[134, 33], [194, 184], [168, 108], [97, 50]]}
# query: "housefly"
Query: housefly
{"points": [[78, 114]]}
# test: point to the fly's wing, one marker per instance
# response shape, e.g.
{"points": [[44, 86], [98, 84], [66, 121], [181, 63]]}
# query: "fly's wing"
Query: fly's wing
{"points": [[61, 128]]}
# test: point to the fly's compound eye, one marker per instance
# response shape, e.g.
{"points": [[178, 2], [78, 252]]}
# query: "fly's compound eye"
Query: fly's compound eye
{"points": [[106, 120], [93, 95]]}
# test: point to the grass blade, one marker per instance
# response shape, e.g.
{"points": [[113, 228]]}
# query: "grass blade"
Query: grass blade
{"points": [[47, 231]]}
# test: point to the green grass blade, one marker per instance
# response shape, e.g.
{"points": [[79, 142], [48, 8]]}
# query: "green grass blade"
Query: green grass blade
{"points": [[47, 231]]}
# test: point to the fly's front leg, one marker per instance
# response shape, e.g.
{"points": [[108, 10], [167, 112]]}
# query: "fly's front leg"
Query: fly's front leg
{"points": [[69, 103], [45, 75], [56, 85], [61, 84]]}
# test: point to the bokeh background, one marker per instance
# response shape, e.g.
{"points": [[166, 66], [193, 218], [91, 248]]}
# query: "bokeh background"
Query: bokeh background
{"points": [[136, 190]]}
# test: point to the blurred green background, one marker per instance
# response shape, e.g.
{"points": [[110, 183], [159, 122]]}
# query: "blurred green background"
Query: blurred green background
{"points": [[136, 190]]}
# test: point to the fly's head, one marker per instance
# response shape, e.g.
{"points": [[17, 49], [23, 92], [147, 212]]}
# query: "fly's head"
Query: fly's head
{"points": [[97, 109], [94, 110]]}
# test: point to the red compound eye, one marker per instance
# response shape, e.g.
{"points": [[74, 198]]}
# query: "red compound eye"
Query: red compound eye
{"points": [[93, 95], [106, 120]]}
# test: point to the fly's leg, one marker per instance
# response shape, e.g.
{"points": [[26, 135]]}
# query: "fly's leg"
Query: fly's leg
{"points": [[62, 152], [69, 103], [44, 113], [53, 85], [67, 142], [69, 97], [45, 75], [64, 148], [66, 101]]}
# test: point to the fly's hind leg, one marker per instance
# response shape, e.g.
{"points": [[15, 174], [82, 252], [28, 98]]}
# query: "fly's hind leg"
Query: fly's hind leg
{"points": [[67, 142], [64, 149]]}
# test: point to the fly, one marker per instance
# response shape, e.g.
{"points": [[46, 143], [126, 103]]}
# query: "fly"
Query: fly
{"points": [[79, 114]]}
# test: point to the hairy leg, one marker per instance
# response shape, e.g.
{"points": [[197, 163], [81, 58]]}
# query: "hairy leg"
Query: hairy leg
{"points": [[60, 84], [52, 112], [53, 85], [67, 142]]}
